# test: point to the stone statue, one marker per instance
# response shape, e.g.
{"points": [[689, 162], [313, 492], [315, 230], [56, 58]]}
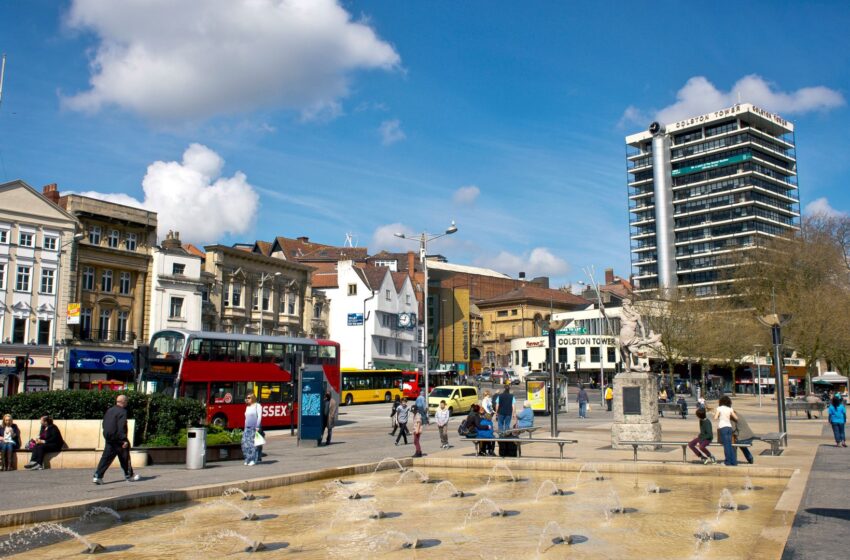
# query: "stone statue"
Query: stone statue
{"points": [[634, 336]]}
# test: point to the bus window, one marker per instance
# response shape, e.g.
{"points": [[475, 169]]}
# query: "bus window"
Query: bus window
{"points": [[363, 382], [228, 392], [347, 382], [311, 354], [272, 353], [167, 344], [255, 351], [327, 355], [197, 391], [222, 350], [273, 392], [243, 353]]}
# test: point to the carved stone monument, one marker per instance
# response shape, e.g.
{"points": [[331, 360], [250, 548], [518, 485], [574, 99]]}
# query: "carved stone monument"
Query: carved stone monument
{"points": [[636, 388]]}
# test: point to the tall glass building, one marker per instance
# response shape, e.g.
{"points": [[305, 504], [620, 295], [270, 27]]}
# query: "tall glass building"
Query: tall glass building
{"points": [[703, 188]]}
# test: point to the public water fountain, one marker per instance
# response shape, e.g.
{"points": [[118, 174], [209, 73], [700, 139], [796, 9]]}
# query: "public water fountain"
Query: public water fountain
{"points": [[726, 502], [494, 473], [98, 510], [339, 488], [250, 545], [553, 490], [33, 534], [454, 492], [653, 488], [235, 490], [591, 466], [487, 507], [560, 537], [423, 478], [401, 468], [245, 514]]}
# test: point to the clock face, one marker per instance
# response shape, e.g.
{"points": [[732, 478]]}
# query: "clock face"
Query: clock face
{"points": [[654, 128], [404, 319]]}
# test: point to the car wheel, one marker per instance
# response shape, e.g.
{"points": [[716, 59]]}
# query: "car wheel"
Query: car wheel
{"points": [[219, 420], [349, 400], [388, 397]]}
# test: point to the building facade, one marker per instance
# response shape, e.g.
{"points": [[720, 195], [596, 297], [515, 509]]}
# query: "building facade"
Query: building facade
{"points": [[110, 279], [252, 293], [701, 189], [36, 239], [373, 317], [178, 289]]}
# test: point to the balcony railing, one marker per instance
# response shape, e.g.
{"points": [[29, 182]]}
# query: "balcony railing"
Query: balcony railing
{"points": [[95, 335]]}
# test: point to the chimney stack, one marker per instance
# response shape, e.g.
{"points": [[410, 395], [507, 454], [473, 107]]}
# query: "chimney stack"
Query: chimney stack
{"points": [[609, 276], [51, 192], [303, 239], [172, 241], [411, 266]]}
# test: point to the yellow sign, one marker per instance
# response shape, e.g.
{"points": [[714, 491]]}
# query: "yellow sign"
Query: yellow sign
{"points": [[537, 394], [73, 315]]}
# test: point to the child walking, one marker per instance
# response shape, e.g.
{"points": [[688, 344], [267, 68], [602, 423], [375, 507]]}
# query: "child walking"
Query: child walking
{"points": [[442, 418], [699, 445]]}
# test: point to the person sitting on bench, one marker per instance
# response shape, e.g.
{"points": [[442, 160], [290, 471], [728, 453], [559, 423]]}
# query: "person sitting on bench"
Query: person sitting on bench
{"points": [[525, 417], [49, 441]]}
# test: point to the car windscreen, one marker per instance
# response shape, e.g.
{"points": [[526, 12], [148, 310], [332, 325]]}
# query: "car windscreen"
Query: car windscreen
{"points": [[441, 392]]}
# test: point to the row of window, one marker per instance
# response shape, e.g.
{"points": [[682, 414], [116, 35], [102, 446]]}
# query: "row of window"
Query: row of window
{"points": [[27, 239], [730, 184], [504, 312], [112, 238], [24, 277], [106, 320], [107, 277], [261, 299], [19, 331], [384, 347], [521, 356], [243, 351], [719, 245]]}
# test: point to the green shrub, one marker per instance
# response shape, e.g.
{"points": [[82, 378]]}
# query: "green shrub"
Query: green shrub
{"points": [[158, 416], [161, 441], [215, 436]]}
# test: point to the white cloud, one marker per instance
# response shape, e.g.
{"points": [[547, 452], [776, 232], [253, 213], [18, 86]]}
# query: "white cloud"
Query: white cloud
{"points": [[700, 96], [821, 206], [193, 60], [191, 197], [466, 195], [391, 132], [384, 238], [539, 262], [632, 115]]}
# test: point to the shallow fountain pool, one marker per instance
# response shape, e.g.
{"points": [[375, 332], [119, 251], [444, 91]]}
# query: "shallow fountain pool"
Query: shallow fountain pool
{"points": [[496, 513]]}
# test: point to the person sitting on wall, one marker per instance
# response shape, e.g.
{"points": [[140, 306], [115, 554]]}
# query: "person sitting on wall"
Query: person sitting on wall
{"points": [[49, 441]]}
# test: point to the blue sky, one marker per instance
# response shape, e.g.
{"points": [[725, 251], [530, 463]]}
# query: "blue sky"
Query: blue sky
{"points": [[370, 117]]}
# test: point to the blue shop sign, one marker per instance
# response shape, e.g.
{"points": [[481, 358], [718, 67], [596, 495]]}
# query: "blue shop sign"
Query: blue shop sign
{"points": [[95, 360]]}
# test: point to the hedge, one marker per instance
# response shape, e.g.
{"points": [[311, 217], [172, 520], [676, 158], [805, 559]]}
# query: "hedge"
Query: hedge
{"points": [[157, 416]]}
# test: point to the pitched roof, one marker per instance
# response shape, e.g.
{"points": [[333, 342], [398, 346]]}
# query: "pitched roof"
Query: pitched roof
{"points": [[304, 250], [529, 292], [398, 280], [263, 247], [373, 276], [191, 249]]}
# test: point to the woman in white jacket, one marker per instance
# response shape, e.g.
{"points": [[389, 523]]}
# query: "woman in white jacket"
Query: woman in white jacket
{"points": [[442, 418]]}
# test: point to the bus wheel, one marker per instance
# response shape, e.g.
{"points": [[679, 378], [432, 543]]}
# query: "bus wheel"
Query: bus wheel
{"points": [[219, 420], [349, 400], [388, 397]]}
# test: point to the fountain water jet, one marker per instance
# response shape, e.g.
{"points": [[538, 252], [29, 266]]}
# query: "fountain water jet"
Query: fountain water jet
{"points": [[252, 546], [492, 510], [726, 502], [56, 529], [246, 515], [495, 469], [554, 492], [592, 467], [389, 459], [653, 488], [97, 510], [561, 537], [422, 476], [455, 493], [234, 490]]}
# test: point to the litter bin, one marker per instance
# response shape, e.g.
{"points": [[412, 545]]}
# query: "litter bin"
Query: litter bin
{"points": [[196, 448]]}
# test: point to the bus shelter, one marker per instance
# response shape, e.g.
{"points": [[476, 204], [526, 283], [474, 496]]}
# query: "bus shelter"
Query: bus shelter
{"points": [[538, 391]]}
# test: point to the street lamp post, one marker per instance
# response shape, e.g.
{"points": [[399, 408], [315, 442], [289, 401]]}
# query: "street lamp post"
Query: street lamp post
{"points": [[775, 322], [424, 238], [77, 237], [758, 370]]}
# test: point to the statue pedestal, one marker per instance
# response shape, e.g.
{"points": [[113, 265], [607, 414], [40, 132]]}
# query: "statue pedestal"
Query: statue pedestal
{"points": [[635, 409]]}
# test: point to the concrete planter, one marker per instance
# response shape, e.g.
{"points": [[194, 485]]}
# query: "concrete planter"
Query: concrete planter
{"points": [[177, 455], [138, 458]]}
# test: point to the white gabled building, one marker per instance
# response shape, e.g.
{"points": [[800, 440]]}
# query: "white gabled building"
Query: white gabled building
{"points": [[373, 316], [176, 297]]}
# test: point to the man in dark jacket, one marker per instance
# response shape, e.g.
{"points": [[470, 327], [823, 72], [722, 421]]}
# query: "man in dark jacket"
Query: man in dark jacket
{"points": [[116, 442]]}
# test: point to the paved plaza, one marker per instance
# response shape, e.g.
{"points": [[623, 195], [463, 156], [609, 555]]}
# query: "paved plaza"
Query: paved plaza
{"points": [[818, 495]]}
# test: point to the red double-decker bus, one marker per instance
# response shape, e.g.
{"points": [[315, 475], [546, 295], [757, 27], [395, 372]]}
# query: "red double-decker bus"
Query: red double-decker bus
{"points": [[220, 369]]}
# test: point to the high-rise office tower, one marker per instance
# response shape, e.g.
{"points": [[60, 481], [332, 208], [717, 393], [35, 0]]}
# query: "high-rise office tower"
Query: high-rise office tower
{"points": [[703, 188]]}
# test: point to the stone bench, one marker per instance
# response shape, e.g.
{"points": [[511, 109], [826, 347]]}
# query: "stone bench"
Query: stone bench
{"points": [[84, 443], [520, 442], [682, 444]]}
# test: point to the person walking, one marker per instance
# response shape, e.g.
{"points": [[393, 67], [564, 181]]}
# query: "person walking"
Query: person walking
{"points": [[115, 442], [422, 406], [253, 419], [10, 442], [393, 419], [505, 408], [49, 441], [609, 397], [741, 433], [402, 415], [417, 430], [328, 417], [837, 418], [582, 401], [699, 445], [441, 416], [724, 416]]}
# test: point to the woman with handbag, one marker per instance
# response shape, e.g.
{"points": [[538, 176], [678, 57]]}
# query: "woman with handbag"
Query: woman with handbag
{"points": [[253, 418]]}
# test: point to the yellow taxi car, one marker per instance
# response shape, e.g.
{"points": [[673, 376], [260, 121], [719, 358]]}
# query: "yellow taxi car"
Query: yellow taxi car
{"points": [[459, 398]]}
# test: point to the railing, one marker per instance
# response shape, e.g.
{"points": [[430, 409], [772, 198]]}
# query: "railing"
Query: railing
{"points": [[95, 335]]}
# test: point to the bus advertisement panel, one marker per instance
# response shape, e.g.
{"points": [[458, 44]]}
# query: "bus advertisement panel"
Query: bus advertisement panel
{"points": [[220, 369]]}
